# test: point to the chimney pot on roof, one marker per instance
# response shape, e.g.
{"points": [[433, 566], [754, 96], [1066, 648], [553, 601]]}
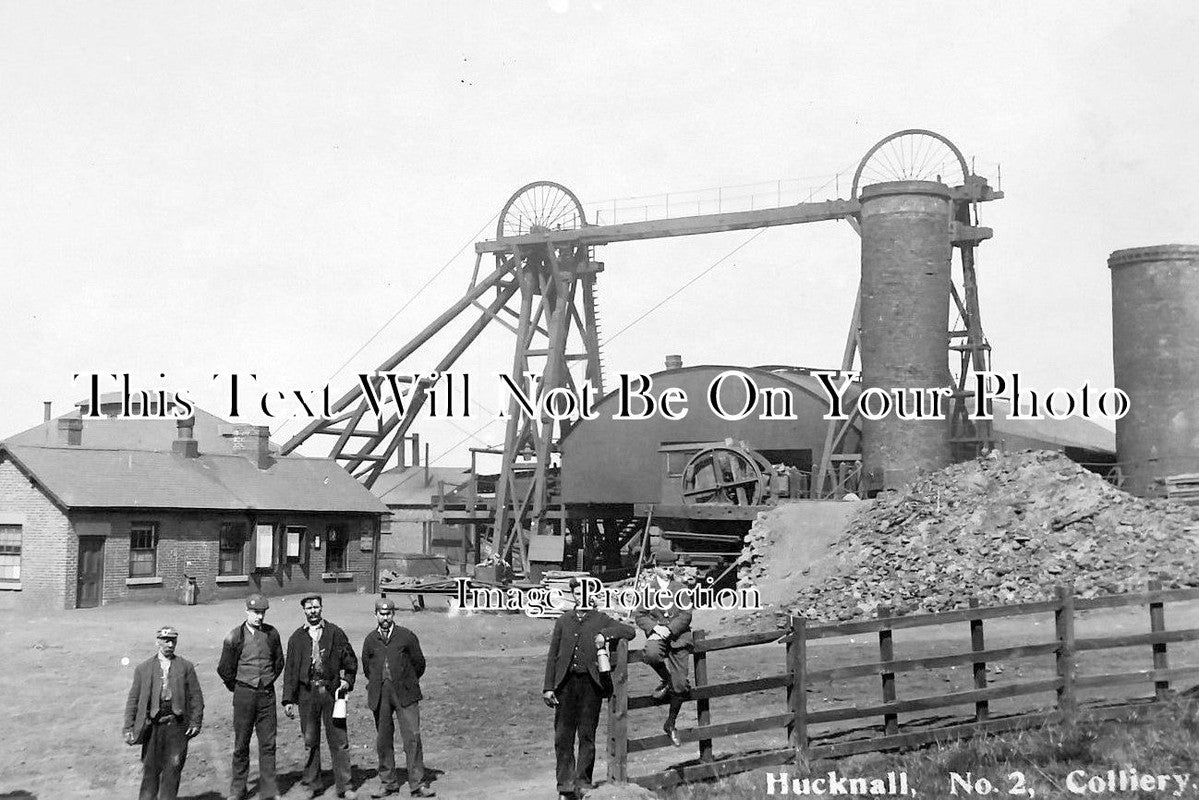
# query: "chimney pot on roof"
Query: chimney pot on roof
{"points": [[70, 431], [416, 449], [48, 415], [674, 362]]}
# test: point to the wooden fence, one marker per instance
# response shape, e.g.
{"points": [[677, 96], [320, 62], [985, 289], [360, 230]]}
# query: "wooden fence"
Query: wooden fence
{"points": [[795, 676]]}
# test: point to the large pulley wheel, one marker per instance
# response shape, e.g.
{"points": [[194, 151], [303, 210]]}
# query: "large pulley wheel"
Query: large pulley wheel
{"points": [[540, 206], [911, 155], [726, 475]]}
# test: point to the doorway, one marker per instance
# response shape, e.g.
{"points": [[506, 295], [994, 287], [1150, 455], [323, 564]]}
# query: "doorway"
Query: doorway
{"points": [[90, 584]]}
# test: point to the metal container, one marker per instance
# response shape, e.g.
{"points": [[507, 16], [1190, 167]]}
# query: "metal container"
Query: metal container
{"points": [[1155, 349], [904, 323]]}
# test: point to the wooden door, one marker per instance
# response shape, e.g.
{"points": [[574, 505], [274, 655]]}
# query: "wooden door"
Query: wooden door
{"points": [[90, 584]]}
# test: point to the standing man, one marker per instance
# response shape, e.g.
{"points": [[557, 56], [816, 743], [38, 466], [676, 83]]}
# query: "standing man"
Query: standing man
{"points": [[668, 641], [320, 664], [393, 664], [164, 710], [575, 688], [251, 660]]}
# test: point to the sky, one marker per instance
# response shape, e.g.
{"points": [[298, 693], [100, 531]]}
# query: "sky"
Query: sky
{"points": [[217, 188]]}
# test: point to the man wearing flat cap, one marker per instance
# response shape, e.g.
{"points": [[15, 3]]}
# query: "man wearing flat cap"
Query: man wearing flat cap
{"points": [[668, 640], [321, 666], [393, 665], [251, 660], [575, 688], [164, 710]]}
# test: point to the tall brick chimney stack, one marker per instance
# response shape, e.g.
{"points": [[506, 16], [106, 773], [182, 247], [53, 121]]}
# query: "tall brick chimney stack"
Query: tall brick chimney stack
{"points": [[253, 442]]}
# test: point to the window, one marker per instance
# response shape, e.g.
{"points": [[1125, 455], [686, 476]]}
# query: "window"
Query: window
{"points": [[10, 553], [335, 557], [264, 546], [143, 550], [233, 548], [294, 543]]}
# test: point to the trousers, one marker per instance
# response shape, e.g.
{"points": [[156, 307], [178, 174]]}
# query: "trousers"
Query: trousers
{"points": [[316, 709], [409, 718], [671, 666], [163, 753], [254, 712], [577, 714]]}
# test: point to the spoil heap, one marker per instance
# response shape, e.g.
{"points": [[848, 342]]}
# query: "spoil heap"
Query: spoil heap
{"points": [[1006, 528]]}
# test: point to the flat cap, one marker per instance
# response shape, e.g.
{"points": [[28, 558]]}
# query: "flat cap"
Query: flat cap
{"points": [[166, 632], [315, 597], [258, 602], [385, 604]]}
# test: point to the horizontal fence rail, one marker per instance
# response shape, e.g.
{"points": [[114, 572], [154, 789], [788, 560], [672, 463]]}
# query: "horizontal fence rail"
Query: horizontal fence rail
{"points": [[882, 729]]}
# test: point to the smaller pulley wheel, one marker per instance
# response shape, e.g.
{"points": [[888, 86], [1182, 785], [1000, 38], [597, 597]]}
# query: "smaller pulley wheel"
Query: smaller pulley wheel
{"points": [[540, 206], [725, 475]]}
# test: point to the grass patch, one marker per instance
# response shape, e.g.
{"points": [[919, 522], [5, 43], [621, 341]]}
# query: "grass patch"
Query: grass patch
{"points": [[1163, 738]]}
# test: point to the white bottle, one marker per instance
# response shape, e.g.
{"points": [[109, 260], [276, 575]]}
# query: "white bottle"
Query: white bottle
{"points": [[603, 660]]}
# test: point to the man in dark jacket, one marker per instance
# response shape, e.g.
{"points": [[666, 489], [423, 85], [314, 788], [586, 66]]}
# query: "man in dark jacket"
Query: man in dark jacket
{"points": [[320, 664], [668, 640], [165, 709], [251, 660], [575, 688], [393, 665]]}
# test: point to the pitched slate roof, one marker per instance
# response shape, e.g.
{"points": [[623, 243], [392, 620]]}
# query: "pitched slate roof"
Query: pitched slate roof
{"points": [[128, 463], [407, 487]]}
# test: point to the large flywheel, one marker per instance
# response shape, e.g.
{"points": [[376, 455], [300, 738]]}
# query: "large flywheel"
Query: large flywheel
{"points": [[911, 155], [541, 205], [726, 474]]}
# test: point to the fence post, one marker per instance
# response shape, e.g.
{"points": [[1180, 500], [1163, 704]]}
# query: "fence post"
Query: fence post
{"points": [[618, 716], [797, 687], [1063, 621], [1157, 624], [886, 652], [981, 707], [703, 716]]}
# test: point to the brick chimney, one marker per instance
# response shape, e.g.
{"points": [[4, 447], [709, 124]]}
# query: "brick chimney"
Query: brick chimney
{"points": [[70, 432], [674, 362], [46, 411], [253, 442], [185, 443]]}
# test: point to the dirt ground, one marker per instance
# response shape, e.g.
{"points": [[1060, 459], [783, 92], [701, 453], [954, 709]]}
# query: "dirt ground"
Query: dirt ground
{"points": [[486, 732]]}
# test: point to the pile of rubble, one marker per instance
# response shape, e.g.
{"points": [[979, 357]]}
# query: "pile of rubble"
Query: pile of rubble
{"points": [[1006, 528]]}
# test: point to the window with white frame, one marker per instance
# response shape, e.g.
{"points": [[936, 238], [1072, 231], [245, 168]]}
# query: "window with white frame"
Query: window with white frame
{"points": [[10, 554], [143, 550]]}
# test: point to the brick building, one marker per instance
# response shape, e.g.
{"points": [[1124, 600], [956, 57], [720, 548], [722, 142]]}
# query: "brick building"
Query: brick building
{"points": [[100, 510]]}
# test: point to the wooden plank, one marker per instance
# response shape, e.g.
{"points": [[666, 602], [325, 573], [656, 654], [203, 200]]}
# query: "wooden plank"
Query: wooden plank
{"points": [[1135, 639], [933, 662], [924, 620], [977, 645], [704, 693], [797, 698], [947, 733], [1139, 676], [1157, 624], [717, 769], [618, 716], [703, 713], [1143, 599], [1063, 623], [936, 701], [710, 732], [741, 640], [886, 652]]}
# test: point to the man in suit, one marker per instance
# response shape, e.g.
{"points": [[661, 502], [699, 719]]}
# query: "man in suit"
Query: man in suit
{"points": [[393, 665], [668, 640], [251, 660], [164, 710], [574, 687], [320, 664]]}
